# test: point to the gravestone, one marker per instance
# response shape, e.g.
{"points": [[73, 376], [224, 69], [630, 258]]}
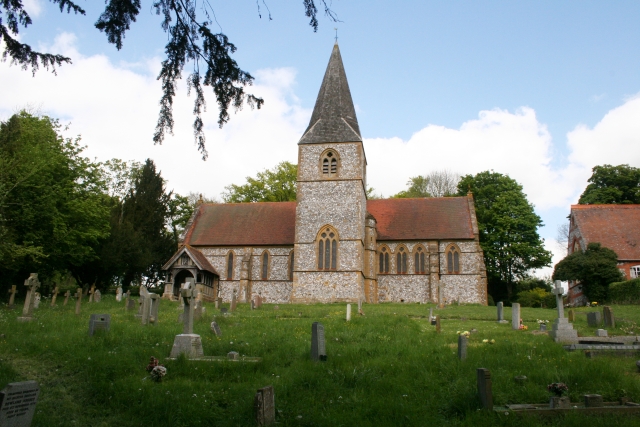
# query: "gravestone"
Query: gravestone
{"points": [[234, 302], [593, 401], [253, 304], [359, 305], [348, 312], [430, 314], [119, 294], [543, 327], [318, 350], [187, 343], [36, 300], [154, 308], [233, 355], [198, 310], [168, 291], [99, 322], [264, 407], [78, 300], [594, 319], [66, 298], [224, 310], [609, 319], [12, 297], [259, 301], [144, 296], [32, 284], [437, 323], [602, 333], [145, 310], [484, 388], [92, 292], [55, 296], [462, 347], [130, 305], [515, 315], [500, 308], [18, 404], [97, 296], [572, 315], [216, 329], [561, 330], [218, 303]]}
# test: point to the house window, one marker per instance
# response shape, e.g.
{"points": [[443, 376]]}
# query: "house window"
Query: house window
{"points": [[635, 271], [453, 259], [291, 266], [230, 266], [329, 164], [327, 249], [401, 260], [383, 263], [419, 261], [265, 265]]}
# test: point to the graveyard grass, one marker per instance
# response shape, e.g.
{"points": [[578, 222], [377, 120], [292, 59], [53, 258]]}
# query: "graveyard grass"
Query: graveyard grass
{"points": [[387, 368]]}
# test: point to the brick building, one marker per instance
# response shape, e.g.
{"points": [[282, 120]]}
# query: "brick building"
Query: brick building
{"points": [[616, 227], [333, 244]]}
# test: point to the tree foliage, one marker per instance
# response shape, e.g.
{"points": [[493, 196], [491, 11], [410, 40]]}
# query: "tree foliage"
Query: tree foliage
{"points": [[271, 185], [594, 268], [508, 229], [190, 42], [612, 185], [441, 183]]}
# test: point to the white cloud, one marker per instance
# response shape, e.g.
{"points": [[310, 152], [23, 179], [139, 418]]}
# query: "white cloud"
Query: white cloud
{"points": [[33, 7]]}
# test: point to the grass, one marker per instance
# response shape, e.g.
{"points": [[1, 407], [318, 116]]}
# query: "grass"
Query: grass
{"points": [[386, 368]]}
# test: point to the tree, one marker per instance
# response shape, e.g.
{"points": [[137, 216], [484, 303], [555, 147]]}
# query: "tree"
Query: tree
{"points": [[508, 229], [53, 206], [594, 268], [181, 209], [612, 185], [190, 41], [442, 183], [271, 185], [417, 188]]}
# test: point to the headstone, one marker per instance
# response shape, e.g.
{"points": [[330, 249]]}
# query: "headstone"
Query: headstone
{"points": [[92, 292], [99, 322], [233, 302], [119, 294], [12, 297], [145, 310], [500, 308], [318, 350], [197, 310], [259, 301], [224, 310], [154, 305], [594, 319], [18, 404], [543, 327], [561, 330], [66, 298], [253, 304], [168, 291], [55, 296], [218, 303], [97, 296], [233, 355], [348, 312], [359, 305], [32, 284], [264, 407], [130, 305], [602, 333], [216, 329], [437, 323], [572, 315], [78, 300], [36, 300], [515, 315], [187, 343], [484, 388], [609, 319], [430, 314], [462, 347], [593, 401]]}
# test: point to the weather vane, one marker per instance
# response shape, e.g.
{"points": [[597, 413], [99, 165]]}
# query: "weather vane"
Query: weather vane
{"points": [[336, 34]]}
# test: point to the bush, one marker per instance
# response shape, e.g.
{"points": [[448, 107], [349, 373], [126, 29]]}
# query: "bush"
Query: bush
{"points": [[490, 301], [536, 297], [627, 292]]}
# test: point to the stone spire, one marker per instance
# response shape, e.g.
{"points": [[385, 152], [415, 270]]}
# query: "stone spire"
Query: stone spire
{"points": [[334, 117]]}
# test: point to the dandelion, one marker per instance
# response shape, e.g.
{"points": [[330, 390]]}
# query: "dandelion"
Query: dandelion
{"points": [[485, 341]]}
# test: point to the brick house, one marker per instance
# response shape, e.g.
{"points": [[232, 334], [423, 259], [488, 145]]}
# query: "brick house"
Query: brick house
{"points": [[616, 227], [332, 244]]}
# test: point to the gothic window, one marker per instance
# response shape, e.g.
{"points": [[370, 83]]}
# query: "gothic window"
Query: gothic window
{"points": [[291, 266], [419, 260], [453, 259], [327, 249], [401, 260], [329, 164], [265, 265], [383, 262], [230, 266]]}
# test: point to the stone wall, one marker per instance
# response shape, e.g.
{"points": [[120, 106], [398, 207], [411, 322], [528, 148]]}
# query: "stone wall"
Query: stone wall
{"points": [[405, 287], [327, 286]]}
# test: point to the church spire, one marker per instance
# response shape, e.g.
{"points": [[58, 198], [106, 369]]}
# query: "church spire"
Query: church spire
{"points": [[334, 116]]}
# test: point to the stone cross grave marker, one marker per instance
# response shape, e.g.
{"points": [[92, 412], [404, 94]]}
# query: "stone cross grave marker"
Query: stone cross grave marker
{"points": [[515, 315], [66, 298], [56, 290], [462, 347], [36, 300], [216, 329], [97, 296], [484, 388], [264, 406], [32, 284], [188, 343], [12, 297], [18, 404], [348, 312], [562, 330], [594, 319], [437, 323], [78, 300], [318, 350], [609, 320], [92, 292], [99, 322], [119, 294], [234, 302], [572, 315]]}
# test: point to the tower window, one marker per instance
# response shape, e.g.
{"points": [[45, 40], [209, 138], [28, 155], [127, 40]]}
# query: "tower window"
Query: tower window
{"points": [[401, 261], [329, 164], [419, 262], [327, 249], [383, 262]]}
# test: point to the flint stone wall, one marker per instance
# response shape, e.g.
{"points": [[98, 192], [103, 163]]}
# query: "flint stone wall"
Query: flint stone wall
{"points": [[351, 158], [327, 286], [405, 287], [463, 288]]}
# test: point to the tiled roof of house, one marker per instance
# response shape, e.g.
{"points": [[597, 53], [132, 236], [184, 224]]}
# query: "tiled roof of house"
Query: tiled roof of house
{"points": [[256, 224], [616, 227], [422, 219]]}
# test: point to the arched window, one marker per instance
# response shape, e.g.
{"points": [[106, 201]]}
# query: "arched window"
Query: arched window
{"points": [[327, 249], [383, 262], [453, 259], [230, 266], [419, 263], [329, 163], [401, 260], [291, 266], [265, 265]]}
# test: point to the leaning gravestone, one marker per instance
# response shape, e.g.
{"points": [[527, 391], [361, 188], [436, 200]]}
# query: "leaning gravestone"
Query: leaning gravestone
{"points": [[609, 320], [18, 404], [55, 296], [216, 329], [99, 322], [187, 343], [561, 330], [78, 300], [462, 347], [97, 296], [594, 319], [92, 293], [318, 350], [12, 297], [515, 315], [484, 388], [32, 284], [66, 298], [264, 407]]}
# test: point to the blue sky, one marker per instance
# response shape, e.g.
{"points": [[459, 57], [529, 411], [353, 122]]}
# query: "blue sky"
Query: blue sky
{"points": [[542, 91]]}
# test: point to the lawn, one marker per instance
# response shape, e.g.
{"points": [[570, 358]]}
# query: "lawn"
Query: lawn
{"points": [[389, 367]]}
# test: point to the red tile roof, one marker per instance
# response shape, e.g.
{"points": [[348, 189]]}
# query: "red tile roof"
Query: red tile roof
{"points": [[422, 219], [616, 227], [273, 223], [198, 257]]}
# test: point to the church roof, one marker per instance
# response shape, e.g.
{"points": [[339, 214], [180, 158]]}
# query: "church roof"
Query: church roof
{"points": [[616, 227], [334, 116], [198, 258], [422, 219]]}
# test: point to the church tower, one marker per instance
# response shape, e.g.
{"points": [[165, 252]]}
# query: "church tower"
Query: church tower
{"points": [[331, 197]]}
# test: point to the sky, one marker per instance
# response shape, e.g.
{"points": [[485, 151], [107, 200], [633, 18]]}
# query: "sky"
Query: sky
{"points": [[541, 91]]}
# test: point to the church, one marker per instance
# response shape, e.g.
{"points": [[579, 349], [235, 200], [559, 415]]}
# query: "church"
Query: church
{"points": [[332, 244]]}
